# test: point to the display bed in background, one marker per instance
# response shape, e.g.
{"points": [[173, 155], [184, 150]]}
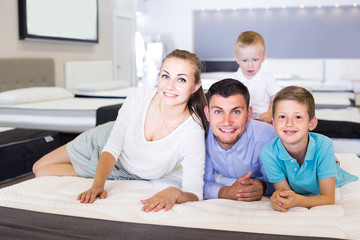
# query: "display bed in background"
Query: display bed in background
{"points": [[21, 148], [94, 79], [73, 115], [120, 213], [29, 98], [342, 126]]}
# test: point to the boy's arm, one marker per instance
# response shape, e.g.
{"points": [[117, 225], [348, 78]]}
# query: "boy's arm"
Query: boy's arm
{"points": [[284, 199], [326, 197]]}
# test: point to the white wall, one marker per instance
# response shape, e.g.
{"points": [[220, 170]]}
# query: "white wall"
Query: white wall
{"points": [[172, 20], [12, 47]]}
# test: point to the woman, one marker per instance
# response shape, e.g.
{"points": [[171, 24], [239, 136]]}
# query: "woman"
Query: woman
{"points": [[154, 131]]}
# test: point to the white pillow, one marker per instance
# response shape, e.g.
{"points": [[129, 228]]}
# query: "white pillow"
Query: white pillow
{"points": [[102, 86], [33, 94]]}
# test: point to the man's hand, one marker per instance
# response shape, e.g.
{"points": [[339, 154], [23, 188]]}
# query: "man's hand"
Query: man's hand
{"points": [[243, 189]]}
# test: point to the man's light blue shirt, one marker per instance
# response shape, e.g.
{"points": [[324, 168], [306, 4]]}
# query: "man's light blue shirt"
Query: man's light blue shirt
{"points": [[235, 162], [319, 163]]}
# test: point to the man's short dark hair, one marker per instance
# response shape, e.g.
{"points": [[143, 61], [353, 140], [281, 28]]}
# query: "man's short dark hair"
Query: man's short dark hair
{"points": [[228, 87]]}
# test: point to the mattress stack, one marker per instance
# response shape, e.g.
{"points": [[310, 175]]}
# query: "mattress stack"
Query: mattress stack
{"points": [[21, 148]]}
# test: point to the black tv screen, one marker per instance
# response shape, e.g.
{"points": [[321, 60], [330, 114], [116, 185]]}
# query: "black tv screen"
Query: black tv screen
{"points": [[64, 20]]}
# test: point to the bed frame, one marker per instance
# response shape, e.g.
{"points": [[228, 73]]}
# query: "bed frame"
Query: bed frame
{"points": [[20, 148], [22, 224]]}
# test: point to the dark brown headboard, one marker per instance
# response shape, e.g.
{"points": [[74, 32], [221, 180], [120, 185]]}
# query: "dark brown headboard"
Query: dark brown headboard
{"points": [[26, 72], [220, 66]]}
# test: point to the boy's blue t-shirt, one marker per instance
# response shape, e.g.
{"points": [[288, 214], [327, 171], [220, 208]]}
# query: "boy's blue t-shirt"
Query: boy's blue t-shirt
{"points": [[319, 163]]}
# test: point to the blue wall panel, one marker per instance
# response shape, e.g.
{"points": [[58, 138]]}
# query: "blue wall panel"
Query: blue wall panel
{"points": [[326, 32]]}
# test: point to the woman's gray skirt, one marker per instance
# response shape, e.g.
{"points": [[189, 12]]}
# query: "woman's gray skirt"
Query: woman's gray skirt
{"points": [[85, 150]]}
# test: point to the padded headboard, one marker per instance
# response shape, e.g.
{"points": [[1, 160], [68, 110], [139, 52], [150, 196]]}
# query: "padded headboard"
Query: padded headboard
{"points": [[281, 69], [80, 72], [298, 69], [26, 72]]}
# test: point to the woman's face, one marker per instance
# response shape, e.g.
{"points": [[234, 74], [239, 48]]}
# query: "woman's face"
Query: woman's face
{"points": [[177, 81]]}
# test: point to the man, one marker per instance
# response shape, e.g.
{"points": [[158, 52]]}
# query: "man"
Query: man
{"points": [[233, 169]]}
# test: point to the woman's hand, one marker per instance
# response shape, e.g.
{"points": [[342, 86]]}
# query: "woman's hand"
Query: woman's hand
{"points": [[90, 195], [165, 199], [105, 165]]}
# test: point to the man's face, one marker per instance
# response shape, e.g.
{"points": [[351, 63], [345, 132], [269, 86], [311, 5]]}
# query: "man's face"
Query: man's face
{"points": [[228, 118]]}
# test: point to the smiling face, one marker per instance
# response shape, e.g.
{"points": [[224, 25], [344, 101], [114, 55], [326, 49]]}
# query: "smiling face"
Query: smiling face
{"points": [[292, 124], [228, 118], [250, 59], [176, 81]]}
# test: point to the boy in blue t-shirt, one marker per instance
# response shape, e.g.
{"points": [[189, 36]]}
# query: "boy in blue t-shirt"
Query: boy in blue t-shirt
{"points": [[300, 164]]}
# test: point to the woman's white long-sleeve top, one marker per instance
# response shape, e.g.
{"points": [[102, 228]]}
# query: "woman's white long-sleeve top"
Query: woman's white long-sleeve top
{"points": [[154, 159]]}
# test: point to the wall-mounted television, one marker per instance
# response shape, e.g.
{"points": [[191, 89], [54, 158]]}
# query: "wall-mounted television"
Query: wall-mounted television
{"points": [[62, 20]]}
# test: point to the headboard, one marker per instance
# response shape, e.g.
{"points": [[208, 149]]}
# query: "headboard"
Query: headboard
{"points": [[281, 69], [80, 72], [26, 72]]}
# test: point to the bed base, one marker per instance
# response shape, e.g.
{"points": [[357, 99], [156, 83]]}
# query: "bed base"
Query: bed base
{"points": [[24, 224], [21, 148]]}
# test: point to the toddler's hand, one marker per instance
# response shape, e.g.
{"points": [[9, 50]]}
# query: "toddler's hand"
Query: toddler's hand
{"points": [[265, 117]]}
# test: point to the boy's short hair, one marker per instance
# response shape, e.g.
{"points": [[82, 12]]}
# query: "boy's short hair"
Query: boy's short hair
{"points": [[228, 87], [298, 94], [249, 38]]}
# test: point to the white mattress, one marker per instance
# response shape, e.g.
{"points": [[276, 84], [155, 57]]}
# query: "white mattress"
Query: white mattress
{"points": [[73, 115], [58, 195], [333, 99], [350, 114], [4, 129], [346, 145]]}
